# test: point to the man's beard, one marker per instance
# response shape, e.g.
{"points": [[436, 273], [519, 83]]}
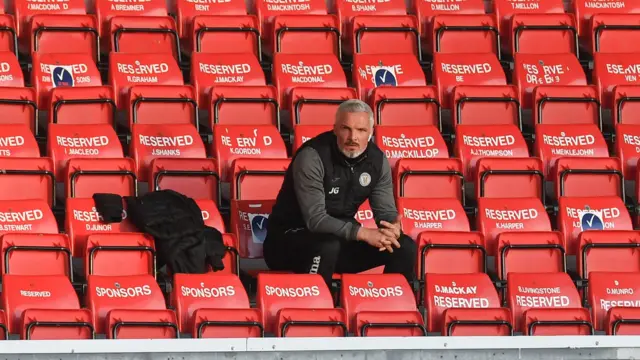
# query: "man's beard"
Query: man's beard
{"points": [[351, 154]]}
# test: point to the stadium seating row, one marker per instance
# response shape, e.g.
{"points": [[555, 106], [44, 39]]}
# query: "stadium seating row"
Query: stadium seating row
{"points": [[46, 306], [313, 26]]}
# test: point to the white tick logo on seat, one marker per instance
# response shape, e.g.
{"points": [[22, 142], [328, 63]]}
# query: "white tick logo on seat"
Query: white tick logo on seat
{"points": [[334, 191]]}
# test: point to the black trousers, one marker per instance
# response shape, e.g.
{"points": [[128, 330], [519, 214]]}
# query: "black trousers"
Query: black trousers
{"points": [[305, 252]]}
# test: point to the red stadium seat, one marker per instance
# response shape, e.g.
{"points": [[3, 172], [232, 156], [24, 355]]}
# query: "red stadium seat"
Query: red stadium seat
{"points": [[613, 33], [285, 27], [36, 254], [129, 70], [87, 176], [612, 251], [541, 291], [92, 105], [611, 70], [10, 72], [105, 12], [420, 215], [530, 251], [509, 178], [82, 219], [461, 291], [474, 142], [317, 106], [128, 307], [486, 105], [211, 70], [19, 106], [577, 214], [556, 141], [255, 184], [152, 141], [623, 321], [153, 104], [66, 141], [498, 215], [380, 305], [457, 27], [54, 70], [396, 70], [27, 216], [405, 105], [211, 216], [627, 148], [566, 105], [438, 250], [195, 178], [144, 34], [476, 322], [221, 27], [624, 104], [113, 254], [302, 133], [585, 11], [8, 36], [243, 105], [79, 33], [26, 179], [531, 71], [530, 24], [558, 322], [588, 177], [242, 141], [399, 33], [214, 306], [56, 324], [36, 26], [444, 177], [298, 305], [41, 293], [347, 10], [609, 291], [305, 71], [410, 142], [453, 70]]}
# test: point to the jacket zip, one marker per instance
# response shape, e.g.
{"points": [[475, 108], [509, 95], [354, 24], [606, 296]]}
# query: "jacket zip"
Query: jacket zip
{"points": [[351, 166]]}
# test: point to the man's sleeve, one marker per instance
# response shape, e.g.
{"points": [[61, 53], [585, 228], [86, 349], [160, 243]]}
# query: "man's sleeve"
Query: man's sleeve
{"points": [[383, 203], [308, 180]]}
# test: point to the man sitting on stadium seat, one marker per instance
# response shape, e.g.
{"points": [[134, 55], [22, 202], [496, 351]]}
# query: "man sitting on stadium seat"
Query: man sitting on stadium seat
{"points": [[312, 228]]}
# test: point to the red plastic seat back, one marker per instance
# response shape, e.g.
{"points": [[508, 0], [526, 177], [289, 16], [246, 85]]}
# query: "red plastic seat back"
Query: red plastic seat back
{"points": [[585, 11], [195, 178], [52, 259], [85, 141], [177, 105], [444, 177], [83, 177], [10, 73], [451, 70], [529, 251], [405, 105], [306, 70], [558, 37], [210, 291], [64, 106], [54, 70], [27, 179], [540, 291], [474, 142], [396, 70], [126, 70], [420, 215], [286, 291], [82, 219], [581, 176], [25, 10], [533, 70], [81, 37], [410, 142], [509, 177], [611, 70], [467, 252], [302, 133], [577, 214], [496, 215], [27, 216], [105, 10], [211, 214], [258, 179], [557, 322], [444, 291], [21, 292], [610, 290], [106, 293], [150, 142], [608, 251], [120, 254], [21, 106], [364, 216], [561, 104], [231, 142]]}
